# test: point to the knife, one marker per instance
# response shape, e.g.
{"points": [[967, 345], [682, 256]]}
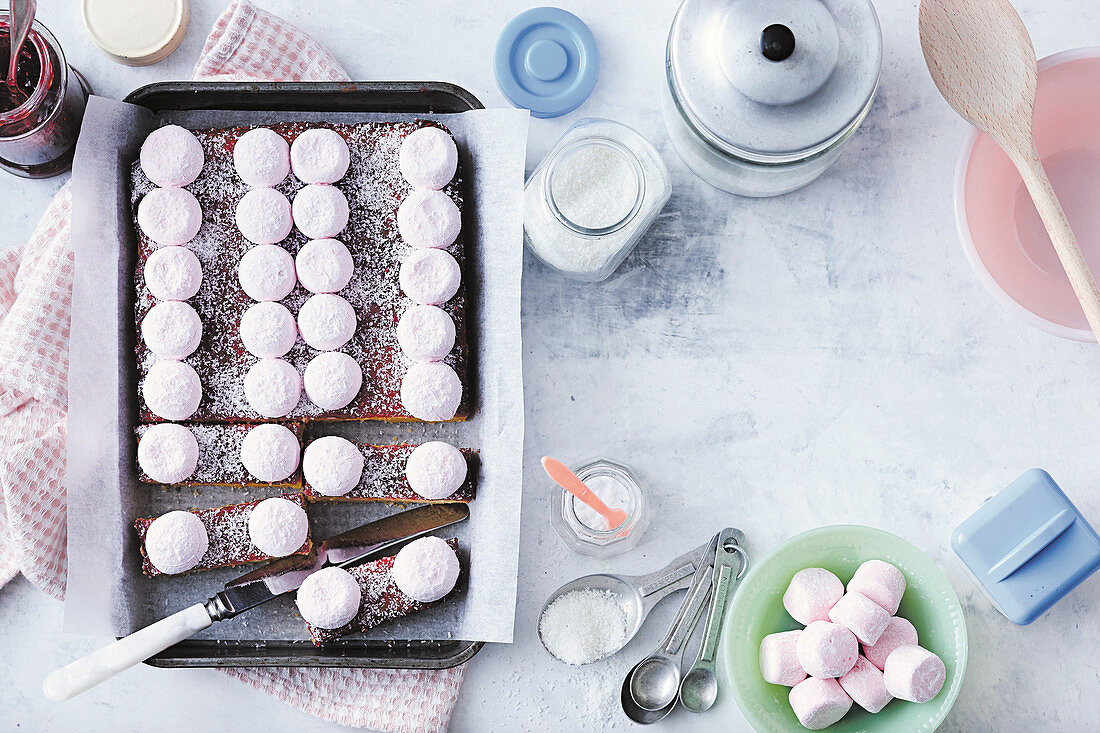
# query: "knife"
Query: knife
{"points": [[248, 591]]}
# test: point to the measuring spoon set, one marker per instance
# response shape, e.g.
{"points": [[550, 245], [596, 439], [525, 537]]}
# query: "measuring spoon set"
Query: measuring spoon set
{"points": [[654, 686]]}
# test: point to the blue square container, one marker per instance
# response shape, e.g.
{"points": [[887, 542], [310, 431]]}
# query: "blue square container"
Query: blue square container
{"points": [[1028, 546]]}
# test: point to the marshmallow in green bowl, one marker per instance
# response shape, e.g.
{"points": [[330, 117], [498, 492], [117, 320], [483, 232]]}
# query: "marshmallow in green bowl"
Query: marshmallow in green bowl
{"points": [[757, 610]]}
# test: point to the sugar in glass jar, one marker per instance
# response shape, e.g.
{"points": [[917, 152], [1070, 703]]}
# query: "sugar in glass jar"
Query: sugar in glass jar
{"points": [[583, 529]]}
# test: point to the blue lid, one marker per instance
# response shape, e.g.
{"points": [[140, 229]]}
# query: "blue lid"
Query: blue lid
{"points": [[1028, 546], [546, 60]]}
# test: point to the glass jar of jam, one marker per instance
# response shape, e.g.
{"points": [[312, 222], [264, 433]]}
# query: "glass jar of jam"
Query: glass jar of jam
{"points": [[40, 121]]}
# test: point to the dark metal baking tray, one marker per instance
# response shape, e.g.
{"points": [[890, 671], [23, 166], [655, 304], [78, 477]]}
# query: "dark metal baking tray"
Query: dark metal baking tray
{"points": [[354, 96]]}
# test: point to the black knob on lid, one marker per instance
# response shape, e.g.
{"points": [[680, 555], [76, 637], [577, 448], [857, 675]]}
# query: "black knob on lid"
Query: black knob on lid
{"points": [[777, 42]]}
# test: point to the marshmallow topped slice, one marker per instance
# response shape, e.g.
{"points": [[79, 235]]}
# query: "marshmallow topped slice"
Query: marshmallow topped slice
{"points": [[169, 216], [332, 465], [266, 272], [319, 155], [270, 452], [168, 453], [428, 219], [326, 321], [431, 392], [175, 542], [428, 158], [262, 157], [329, 598], [172, 390], [324, 266], [263, 216], [426, 333], [171, 156], [278, 527], [320, 211], [425, 569], [430, 276], [172, 273], [332, 380], [268, 330], [435, 470], [171, 329], [272, 387]]}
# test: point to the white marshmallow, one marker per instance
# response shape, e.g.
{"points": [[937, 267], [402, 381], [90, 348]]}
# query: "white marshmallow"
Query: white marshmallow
{"points": [[818, 703], [326, 321], [860, 615], [826, 649], [320, 211], [171, 329], [779, 659], [864, 685], [278, 527], [329, 598], [171, 156], [899, 632], [268, 330], [429, 158], [428, 219], [270, 452], [324, 266], [263, 216], [435, 470], [175, 542], [272, 387], [426, 333], [425, 569], [430, 276], [811, 594], [332, 465], [169, 216], [913, 673], [172, 390], [332, 380], [168, 453], [319, 155], [262, 157], [881, 582], [266, 272], [431, 392], [173, 273]]}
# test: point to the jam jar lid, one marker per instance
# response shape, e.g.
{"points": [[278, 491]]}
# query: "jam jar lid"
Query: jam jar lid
{"points": [[774, 80]]}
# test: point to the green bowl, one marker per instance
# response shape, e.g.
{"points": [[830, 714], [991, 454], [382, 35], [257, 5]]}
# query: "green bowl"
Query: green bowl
{"points": [[757, 610]]}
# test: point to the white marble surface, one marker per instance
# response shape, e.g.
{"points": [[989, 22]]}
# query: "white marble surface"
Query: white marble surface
{"points": [[822, 357]]}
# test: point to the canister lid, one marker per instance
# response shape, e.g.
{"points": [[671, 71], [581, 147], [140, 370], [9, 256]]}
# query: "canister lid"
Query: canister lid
{"points": [[774, 80], [546, 60], [136, 33]]}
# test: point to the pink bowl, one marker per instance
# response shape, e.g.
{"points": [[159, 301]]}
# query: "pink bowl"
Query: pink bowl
{"points": [[1000, 229]]}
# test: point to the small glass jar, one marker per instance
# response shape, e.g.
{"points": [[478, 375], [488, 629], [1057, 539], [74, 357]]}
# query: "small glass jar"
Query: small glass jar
{"points": [[761, 96], [591, 200], [567, 510], [38, 136]]}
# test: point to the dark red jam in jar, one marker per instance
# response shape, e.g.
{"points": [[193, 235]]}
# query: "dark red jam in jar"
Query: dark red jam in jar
{"points": [[40, 120]]}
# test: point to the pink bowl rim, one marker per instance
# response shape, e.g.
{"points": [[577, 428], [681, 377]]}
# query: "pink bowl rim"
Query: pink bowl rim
{"points": [[991, 285]]}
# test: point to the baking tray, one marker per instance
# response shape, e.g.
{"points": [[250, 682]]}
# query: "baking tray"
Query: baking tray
{"points": [[356, 96]]}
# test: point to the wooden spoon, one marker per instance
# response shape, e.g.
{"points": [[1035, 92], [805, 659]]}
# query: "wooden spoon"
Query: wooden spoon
{"points": [[983, 63]]}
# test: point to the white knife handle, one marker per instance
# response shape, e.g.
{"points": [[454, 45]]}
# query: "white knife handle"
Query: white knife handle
{"points": [[86, 673]]}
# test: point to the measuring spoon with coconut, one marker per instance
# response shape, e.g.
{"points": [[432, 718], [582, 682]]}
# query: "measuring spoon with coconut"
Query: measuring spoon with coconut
{"points": [[699, 689], [634, 595]]}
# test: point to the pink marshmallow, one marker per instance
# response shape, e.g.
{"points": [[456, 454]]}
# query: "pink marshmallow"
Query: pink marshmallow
{"points": [[913, 673], [898, 633], [864, 685], [811, 594], [818, 703], [881, 582], [826, 649], [779, 659], [860, 615]]}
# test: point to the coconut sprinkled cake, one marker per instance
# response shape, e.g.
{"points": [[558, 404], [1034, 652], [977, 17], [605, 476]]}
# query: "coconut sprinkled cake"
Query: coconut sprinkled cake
{"points": [[384, 479]]}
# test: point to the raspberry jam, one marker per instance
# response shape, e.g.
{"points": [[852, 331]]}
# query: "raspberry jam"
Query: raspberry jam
{"points": [[40, 120]]}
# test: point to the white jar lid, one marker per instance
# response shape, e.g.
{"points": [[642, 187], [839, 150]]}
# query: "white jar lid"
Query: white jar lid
{"points": [[136, 33]]}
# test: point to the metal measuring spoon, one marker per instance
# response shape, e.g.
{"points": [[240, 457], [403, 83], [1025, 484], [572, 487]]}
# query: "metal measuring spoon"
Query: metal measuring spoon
{"points": [[699, 689], [653, 682], [637, 594]]}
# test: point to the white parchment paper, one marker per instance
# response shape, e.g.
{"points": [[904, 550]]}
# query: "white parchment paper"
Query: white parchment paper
{"points": [[107, 594]]}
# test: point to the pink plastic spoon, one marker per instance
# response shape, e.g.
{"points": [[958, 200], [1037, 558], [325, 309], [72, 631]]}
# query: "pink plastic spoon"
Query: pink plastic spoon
{"points": [[568, 480]]}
